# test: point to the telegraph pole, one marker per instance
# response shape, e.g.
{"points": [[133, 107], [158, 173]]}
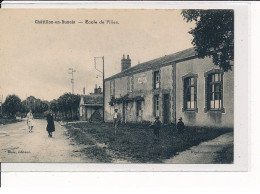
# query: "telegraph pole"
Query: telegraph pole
{"points": [[71, 71], [1, 103], [103, 80]]}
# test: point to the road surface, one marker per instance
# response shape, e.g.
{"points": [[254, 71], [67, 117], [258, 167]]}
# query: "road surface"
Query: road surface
{"points": [[18, 145]]}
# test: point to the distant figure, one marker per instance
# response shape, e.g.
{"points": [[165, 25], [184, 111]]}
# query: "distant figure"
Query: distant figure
{"points": [[157, 127], [50, 124], [180, 126], [30, 121], [115, 120]]}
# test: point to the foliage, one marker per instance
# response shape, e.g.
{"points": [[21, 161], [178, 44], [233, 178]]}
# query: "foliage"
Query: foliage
{"points": [[12, 105], [68, 104], [42, 107], [65, 107], [213, 35], [36, 105], [112, 101], [54, 106], [226, 155]]}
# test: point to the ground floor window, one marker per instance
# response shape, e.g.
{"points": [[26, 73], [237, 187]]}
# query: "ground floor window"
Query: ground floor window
{"points": [[214, 90], [190, 92], [156, 105]]}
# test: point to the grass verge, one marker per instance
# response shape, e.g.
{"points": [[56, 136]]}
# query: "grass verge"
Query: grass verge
{"points": [[226, 155], [8, 121], [137, 144]]}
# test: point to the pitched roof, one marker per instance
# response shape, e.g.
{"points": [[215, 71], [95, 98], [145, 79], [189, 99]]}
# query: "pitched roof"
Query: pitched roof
{"points": [[93, 99], [158, 62]]}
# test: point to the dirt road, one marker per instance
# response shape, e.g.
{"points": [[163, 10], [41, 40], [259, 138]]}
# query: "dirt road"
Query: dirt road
{"points": [[18, 145]]}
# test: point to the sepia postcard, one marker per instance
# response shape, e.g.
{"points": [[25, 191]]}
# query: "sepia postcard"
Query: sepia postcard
{"points": [[142, 89]]}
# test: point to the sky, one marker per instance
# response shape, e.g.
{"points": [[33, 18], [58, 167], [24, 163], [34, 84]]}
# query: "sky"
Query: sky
{"points": [[34, 58]]}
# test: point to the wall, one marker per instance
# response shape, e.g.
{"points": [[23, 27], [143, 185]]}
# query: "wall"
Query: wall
{"points": [[166, 87], [87, 111], [143, 86], [202, 118]]}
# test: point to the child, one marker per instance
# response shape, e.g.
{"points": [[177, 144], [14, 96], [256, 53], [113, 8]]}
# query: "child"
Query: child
{"points": [[30, 121]]}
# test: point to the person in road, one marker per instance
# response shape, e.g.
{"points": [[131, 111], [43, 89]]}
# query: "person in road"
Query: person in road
{"points": [[180, 126], [115, 120], [50, 124], [30, 122]]}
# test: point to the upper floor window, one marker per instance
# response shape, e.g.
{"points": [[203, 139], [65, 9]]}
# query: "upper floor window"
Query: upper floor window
{"points": [[130, 84], [190, 92], [214, 90], [112, 88], [156, 79]]}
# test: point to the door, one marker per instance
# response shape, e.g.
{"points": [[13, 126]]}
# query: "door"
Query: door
{"points": [[166, 108], [139, 110]]}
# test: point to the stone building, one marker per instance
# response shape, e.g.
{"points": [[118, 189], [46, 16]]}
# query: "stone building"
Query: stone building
{"points": [[172, 86], [91, 106]]}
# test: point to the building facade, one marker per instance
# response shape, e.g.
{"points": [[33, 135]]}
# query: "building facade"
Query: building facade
{"points": [[173, 86]]}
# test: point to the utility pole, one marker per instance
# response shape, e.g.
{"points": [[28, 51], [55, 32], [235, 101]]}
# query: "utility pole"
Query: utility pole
{"points": [[71, 71], [1, 103], [103, 80]]}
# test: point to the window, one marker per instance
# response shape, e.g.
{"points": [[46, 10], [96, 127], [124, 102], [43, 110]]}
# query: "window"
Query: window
{"points": [[190, 92], [112, 88], [156, 105], [130, 84], [214, 90], [138, 108], [156, 80]]}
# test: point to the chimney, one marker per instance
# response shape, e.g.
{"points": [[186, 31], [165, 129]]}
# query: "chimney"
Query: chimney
{"points": [[125, 63], [99, 90], [83, 91]]}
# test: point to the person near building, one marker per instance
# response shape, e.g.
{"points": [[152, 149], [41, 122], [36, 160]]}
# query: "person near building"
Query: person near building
{"points": [[157, 126], [180, 126], [115, 120]]}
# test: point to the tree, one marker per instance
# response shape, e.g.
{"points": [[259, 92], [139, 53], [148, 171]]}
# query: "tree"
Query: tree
{"points": [[12, 105], [213, 35], [29, 104], [41, 107], [54, 107], [68, 104]]}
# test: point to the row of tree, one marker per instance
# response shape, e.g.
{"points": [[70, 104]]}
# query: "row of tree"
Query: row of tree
{"points": [[65, 107]]}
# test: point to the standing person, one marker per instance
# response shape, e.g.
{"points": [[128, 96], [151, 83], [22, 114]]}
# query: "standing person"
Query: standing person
{"points": [[30, 123], [180, 126], [50, 124], [157, 126], [115, 120]]}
